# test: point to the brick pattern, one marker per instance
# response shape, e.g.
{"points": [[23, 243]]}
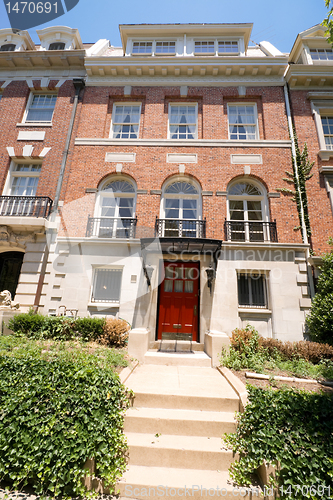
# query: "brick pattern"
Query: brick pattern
{"points": [[320, 218]]}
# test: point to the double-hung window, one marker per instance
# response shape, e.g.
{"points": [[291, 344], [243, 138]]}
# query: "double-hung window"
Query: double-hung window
{"points": [[327, 124], [40, 108], [126, 121], [243, 122], [252, 290], [183, 121], [22, 186], [106, 285]]}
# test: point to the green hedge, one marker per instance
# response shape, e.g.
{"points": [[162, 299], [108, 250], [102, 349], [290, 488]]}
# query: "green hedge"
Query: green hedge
{"points": [[57, 328], [56, 413], [293, 428]]}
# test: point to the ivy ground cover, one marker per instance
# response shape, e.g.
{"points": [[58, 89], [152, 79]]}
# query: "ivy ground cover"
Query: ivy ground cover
{"points": [[60, 404]]}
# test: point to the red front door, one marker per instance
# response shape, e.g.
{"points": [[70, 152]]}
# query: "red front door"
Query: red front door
{"points": [[179, 299]]}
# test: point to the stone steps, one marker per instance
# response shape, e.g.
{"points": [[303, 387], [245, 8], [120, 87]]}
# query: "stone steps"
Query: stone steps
{"points": [[196, 358]]}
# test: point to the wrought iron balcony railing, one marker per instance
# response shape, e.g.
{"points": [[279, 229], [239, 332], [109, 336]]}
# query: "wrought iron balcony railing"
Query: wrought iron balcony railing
{"points": [[250, 231], [104, 227], [25, 206], [180, 228]]}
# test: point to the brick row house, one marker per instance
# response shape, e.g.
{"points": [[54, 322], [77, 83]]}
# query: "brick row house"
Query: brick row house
{"points": [[144, 180]]}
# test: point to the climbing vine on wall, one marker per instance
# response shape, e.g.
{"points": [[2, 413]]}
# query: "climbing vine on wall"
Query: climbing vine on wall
{"points": [[301, 173]]}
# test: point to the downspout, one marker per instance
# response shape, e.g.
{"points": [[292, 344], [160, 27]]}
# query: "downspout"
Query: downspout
{"points": [[303, 226], [78, 85]]}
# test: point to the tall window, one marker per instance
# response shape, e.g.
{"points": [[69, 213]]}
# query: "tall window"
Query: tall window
{"points": [[41, 107], [24, 179], [106, 285], [183, 121], [252, 291], [116, 210], [126, 121], [327, 123], [246, 213], [242, 122], [181, 211]]}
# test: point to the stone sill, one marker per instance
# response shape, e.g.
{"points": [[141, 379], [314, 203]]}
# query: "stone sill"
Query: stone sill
{"points": [[325, 154], [104, 305], [254, 310], [35, 124], [83, 141]]}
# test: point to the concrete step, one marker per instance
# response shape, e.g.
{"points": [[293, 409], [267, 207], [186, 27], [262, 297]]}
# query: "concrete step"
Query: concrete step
{"points": [[197, 358], [166, 344], [158, 482], [179, 422], [183, 452], [184, 402]]}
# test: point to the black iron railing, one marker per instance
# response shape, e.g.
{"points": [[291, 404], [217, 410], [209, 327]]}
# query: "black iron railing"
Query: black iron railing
{"points": [[104, 227], [25, 206], [250, 231], [180, 228]]}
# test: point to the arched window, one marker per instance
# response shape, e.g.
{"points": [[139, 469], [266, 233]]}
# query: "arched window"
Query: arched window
{"points": [[181, 210], [115, 209], [248, 214]]}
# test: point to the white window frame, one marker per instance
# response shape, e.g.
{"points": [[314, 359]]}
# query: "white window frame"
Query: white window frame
{"points": [[245, 198], [153, 52], [231, 53], [208, 41], [256, 124], [12, 174], [95, 270], [322, 109], [29, 104], [134, 123], [192, 104], [321, 61], [215, 51], [251, 274]]}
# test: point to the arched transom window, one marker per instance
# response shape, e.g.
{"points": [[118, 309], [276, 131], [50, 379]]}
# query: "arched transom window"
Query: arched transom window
{"points": [[181, 210], [247, 213], [115, 209]]}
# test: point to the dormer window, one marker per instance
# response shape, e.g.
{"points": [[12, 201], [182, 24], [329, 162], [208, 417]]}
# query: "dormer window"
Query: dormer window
{"points": [[165, 48], [142, 48], [204, 47], [8, 47], [227, 46], [321, 54], [57, 46]]}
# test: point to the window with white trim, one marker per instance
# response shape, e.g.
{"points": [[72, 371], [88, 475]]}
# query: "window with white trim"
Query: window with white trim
{"points": [[183, 121], [321, 54], [40, 108], [57, 46], [252, 290], [106, 285], [166, 47], [142, 48], [228, 47], [24, 179], [204, 47], [243, 122], [327, 124], [126, 121]]}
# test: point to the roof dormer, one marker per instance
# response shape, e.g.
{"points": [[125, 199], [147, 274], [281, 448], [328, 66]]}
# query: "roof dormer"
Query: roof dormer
{"points": [[14, 40], [311, 47], [59, 38]]}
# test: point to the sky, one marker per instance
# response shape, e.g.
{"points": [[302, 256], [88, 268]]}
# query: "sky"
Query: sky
{"points": [[276, 21]]}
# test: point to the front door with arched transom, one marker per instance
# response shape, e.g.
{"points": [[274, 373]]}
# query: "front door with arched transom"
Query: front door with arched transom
{"points": [[178, 310]]}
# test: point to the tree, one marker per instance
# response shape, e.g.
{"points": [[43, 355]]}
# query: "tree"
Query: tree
{"points": [[320, 319], [328, 21]]}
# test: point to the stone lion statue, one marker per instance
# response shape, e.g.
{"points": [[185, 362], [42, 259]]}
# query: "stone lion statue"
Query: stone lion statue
{"points": [[6, 300]]}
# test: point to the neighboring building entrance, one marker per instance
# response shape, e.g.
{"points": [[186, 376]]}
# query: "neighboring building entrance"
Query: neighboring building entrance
{"points": [[179, 299], [10, 268]]}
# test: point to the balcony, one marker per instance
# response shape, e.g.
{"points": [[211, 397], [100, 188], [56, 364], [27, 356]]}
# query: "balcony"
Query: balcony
{"points": [[25, 206], [103, 227], [180, 228], [250, 231]]}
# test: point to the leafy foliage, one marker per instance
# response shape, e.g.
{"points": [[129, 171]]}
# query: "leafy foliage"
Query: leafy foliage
{"points": [[58, 407], [292, 428], [328, 21], [301, 173], [320, 319], [302, 359], [115, 332]]}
